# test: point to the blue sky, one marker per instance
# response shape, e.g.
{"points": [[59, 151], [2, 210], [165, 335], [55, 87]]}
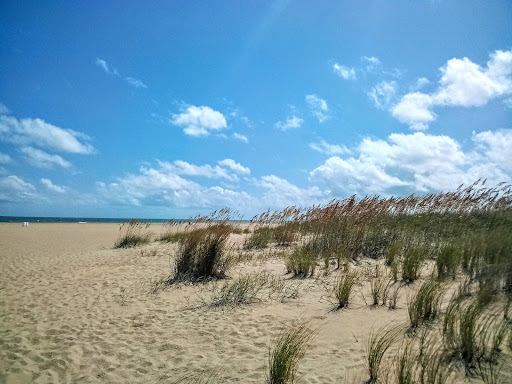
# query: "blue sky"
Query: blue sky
{"points": [[169, 109]]}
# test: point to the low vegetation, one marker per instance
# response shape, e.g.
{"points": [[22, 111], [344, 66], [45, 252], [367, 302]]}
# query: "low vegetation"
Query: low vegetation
{"points": [[132, 234], [429, 246]]}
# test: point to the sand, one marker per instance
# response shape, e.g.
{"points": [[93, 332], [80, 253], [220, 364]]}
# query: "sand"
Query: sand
{"points": [[74, 310]]}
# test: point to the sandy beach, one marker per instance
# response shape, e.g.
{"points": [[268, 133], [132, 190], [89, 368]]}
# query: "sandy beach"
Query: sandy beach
{"points": [[74, 310]]}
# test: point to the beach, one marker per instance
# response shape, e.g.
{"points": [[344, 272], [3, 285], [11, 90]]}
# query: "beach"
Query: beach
{"points": [[74, 310]]}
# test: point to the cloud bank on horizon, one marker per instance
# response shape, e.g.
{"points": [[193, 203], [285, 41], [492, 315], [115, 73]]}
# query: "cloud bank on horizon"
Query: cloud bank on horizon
{"points": [[195, 136]]}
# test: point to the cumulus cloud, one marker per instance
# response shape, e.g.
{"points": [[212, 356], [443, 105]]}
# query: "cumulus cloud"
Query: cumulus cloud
{"points": [[225, 169], [279, 192], [14, 188], [418, 162], [170, 185], [135, 82], [414, 110], [52, 187], [199, 121], [382, 94], [291, 122], [328, 149], [239, 136], [41, 159], [234, 166], [463, 84], [318, 107], [344, 72], [40, 133]]}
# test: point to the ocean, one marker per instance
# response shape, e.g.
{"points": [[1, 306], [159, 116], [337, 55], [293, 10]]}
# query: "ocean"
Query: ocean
{"points": [[33, 219]]}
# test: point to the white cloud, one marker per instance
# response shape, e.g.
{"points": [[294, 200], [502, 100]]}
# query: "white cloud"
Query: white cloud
{"points": [[52, 187], [497, 147], [328, 149], [14, 188], [38, 132], [226, 169], [281, 193], [414, 110], [345, 72], [422, 82], [199, 121], [240, 137], [418, 162], [167, 185], [234, 166], [135, 82], [463, 84], [318, 107], [290, 123], [41, 159], [103, 65], [371, 62], [382, 94], [5, 158]]}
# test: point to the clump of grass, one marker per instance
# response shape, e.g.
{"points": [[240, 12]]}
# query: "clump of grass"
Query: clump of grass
{"points": [[302, 261], [379, 287], [172, 237], [133, 233], [448, 261], [393, 300], [343, 286], [393, 251], [207, 376], [474, 332], [243, 291], [424, 306], [287, 352], [377, 345], [412, 261], [202, 254], [260, 238]]}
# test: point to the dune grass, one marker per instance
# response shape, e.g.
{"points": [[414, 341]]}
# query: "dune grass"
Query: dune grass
{"points": [[425, 305], [287, 352], [132, 234], [202, 254], [378, 342], [343, 288]]}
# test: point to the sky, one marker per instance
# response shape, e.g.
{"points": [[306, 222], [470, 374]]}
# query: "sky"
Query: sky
{"points": [[170, 109]]}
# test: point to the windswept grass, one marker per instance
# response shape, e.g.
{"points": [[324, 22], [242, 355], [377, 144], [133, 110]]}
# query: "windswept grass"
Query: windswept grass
{"points": [[378, 343], [424, 306], [287, 352], [343, 286], [133, 233], [202, 253]]}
